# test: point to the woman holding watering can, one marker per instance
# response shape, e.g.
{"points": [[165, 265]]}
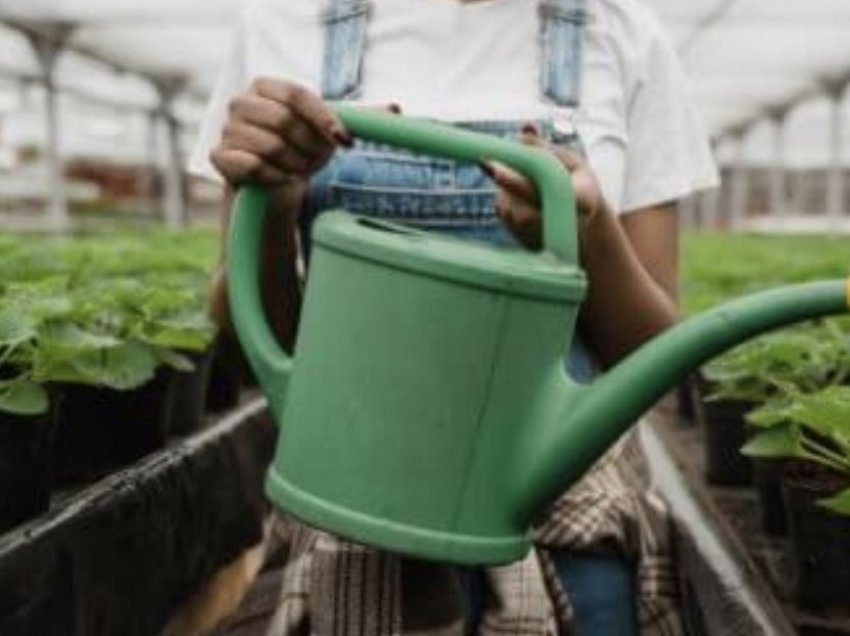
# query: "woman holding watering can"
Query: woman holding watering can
{"points": [[596, 83]]}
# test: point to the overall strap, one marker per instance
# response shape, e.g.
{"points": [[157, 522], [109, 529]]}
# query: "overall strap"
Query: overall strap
{"points": [[345, 23], [562, 27]]}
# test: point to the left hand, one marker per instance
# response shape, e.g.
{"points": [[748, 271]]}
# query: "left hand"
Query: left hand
{"points": [[517, 201]]}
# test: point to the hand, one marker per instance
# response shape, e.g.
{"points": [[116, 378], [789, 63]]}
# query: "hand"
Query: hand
{"points": [[517, 201], [275, 131]]}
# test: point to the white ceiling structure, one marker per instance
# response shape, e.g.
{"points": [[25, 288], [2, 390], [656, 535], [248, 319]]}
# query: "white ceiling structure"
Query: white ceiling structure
{"points": [[742, 57]]}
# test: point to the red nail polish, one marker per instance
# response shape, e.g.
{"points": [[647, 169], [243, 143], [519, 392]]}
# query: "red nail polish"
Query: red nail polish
{"points": [[343, 138], [530, 129], [487, 169]]}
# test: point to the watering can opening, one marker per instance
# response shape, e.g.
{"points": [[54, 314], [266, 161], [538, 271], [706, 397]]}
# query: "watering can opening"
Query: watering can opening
{"points": [[512, 271]]}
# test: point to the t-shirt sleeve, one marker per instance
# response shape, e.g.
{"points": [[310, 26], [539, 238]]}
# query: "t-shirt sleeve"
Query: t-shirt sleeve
{"points": [[232, 79], [668, 154]]}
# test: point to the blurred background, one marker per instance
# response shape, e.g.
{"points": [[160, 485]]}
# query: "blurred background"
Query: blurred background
{"points": [[100, 101]]}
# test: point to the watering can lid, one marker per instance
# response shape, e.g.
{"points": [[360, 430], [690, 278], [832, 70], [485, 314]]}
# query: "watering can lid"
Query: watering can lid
{"points": [[519, 272]]}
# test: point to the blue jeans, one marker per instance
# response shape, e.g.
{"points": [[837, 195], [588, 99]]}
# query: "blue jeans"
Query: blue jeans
{"points": [[601, 589]]}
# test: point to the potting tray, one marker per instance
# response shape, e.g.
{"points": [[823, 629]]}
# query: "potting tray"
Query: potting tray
{"points": [[119, 556], [734, 513]]}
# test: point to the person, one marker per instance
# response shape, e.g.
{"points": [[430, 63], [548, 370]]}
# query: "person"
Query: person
{"points": [[594, 82]]}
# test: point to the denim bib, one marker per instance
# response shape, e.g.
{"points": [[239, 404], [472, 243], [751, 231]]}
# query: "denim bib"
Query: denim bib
{"points": [[434, 194]]}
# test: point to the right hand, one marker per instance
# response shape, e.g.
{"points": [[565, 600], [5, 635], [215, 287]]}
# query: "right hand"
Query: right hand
{"points": [[277, 131]]}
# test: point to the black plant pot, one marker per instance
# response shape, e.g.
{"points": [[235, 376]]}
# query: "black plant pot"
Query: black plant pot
{"points": [[226, 374], [767, 479], [26, 445], [687, 394], [820, 539], [101, 430], [189, 394], [726, 432]]}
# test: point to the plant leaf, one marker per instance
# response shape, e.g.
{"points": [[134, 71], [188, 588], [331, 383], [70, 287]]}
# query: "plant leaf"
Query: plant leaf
{"points": [[23, 397], [839, 504], [16, 327], [125, 367], [779, 441]]}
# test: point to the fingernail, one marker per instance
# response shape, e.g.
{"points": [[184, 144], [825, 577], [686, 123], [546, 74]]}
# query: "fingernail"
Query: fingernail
{"points": [[394, 108], [343, 138], [487, 169], [529, 129]]}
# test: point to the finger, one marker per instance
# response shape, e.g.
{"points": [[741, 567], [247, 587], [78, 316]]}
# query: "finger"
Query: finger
{"points": [[270, 147], [502, 205], [571, 160], [238, 167], [307, 106], [281, 120], [512, 181]]}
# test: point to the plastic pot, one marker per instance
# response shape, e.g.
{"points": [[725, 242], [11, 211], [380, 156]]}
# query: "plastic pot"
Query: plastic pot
{"points": [[687, 394], [819, 539], [225, 382], [189, 394], [726, 431], [26, 444], [767, 479], [101, 429]]}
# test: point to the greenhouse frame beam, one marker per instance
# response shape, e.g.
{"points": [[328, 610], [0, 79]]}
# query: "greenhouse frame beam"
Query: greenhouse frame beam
{"points": [[48, 45], [77, 93], [778, 172], [835, 179], [45, 32], [740, 181], [168, 88], [149, 186], [704, 24]]}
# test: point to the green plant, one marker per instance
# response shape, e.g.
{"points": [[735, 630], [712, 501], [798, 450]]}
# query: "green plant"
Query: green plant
{"points": [[104, 311], [812, 427], [805, 358]]}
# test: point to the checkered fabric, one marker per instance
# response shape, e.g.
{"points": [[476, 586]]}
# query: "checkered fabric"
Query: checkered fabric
{"points": [[336, 588]]}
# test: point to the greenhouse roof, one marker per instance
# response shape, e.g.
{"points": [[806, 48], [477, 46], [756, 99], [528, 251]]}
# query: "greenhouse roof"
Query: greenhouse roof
{"points": [[743, 58]]}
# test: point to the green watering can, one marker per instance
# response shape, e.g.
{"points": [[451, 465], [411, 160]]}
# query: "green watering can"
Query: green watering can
{"points": [[426, 409]]}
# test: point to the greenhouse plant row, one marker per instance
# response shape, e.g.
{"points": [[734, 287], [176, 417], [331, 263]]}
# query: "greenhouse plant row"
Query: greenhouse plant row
{"points": [[776, 411], [105, 350]]}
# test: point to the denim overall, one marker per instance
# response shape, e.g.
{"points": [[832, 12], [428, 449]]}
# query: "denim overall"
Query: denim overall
{"points": [[441, 195]]}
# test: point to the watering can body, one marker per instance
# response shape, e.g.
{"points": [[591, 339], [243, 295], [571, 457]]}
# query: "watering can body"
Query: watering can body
{"points": [[419, 364], [426, 409]]}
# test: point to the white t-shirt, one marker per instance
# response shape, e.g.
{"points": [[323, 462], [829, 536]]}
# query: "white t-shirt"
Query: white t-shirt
{"points": [[459, 61]]}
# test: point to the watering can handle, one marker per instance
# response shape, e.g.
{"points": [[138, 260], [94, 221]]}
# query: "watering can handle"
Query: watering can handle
{"points": [[554, 186]]}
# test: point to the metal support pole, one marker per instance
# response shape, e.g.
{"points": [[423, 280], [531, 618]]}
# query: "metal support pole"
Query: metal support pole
{"points": [[710, 200], [740, 183], [152, 170], [778, 172], [174, 200], [835, 180], [709, 206], [48, 44]]}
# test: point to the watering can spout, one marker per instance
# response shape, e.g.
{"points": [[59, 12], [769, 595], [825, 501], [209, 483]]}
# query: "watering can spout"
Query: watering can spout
{"points": [[587, 420]]}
